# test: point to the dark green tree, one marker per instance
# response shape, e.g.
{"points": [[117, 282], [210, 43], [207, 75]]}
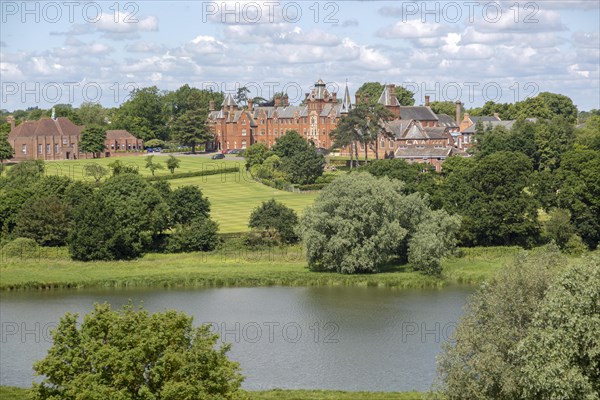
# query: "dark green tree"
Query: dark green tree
{"points": [[443, 107], [256, 154], [92, 140], [187, 203], [45, 220], [6, 150], [131, 354], [374, 89], [300, 161], [144, 115], [190, 129], [172, 163], [275, 222], [200, 234], [91, 114]]}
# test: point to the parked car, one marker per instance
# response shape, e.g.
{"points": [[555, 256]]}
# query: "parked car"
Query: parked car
{"points": [[235, 151], [231, 151], [224, 151], [218, 156], [322, 151]]}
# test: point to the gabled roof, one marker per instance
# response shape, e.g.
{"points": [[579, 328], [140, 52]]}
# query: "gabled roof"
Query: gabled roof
{"points": [[46, 127], [119, 134], [400, 127], [436, 132], [483, 119], [418, 113], [386, 97]]}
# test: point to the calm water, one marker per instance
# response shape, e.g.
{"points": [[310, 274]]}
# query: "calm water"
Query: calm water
{"points": [[346, 338]]}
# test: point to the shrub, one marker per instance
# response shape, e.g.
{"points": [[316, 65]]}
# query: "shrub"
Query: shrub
{"points": [[275, 222], [131, 354], [45, 220], [198, 235], [21, 248]]}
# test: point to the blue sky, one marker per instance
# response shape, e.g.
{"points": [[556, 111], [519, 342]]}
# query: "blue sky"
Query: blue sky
{"points": [[57, 52]]}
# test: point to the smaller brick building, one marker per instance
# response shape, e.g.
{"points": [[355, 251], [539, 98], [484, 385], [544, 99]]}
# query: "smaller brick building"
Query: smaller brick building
{"points": [[58, 139]]}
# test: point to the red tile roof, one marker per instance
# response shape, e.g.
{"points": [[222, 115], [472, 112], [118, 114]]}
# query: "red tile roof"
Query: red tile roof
{"points": [[46, 127]]}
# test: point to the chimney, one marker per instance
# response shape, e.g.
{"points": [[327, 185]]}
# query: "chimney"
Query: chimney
{"points": [[357, 97], [334, 97], [497, 115], [211, 105], [427, 101], [250, 104], [11, 120], [458, 111], [277, 101], [286, 101]]}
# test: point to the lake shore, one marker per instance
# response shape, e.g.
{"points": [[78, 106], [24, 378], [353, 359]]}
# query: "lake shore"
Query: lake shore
{"points": [[228, 267]]}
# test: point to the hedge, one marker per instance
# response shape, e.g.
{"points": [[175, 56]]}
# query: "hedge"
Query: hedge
{"points": [[194, 174]]}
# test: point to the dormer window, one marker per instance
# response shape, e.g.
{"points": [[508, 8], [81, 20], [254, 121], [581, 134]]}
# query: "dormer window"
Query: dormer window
{"points": [[243, 122]]}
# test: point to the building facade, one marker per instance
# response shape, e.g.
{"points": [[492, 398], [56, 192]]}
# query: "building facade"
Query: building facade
{"points": [[58, 139]]}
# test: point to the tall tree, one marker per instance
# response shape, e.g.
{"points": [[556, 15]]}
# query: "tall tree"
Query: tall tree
{"points": [[241, 97], [91, 114], [143, 115], [92, 140], [190, 129], [6, 150], [151, 165], [374, 89]]}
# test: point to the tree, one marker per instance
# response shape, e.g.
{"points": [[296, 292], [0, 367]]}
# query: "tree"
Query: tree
{"points": [[143, 115], [559, 228], [359, 222], [589, 134], [45, 220], [172, 163], [559, 356], [256, 154], [187, 203], [299, 160], [416, 177], [560, 106], [443, 107], [200, 234], [481, 362], [190, 129], [89, 114], [119, 221], [130, 354], [374, 89], [118, 167], [151, 165], [6, 150], [241, 97], [96, 171], [578, 180], [92, 140], [274, 221]]}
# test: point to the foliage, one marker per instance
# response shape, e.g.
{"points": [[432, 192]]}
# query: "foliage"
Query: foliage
{"points": [[275, 222], [300, 161], [374, 89], [25, 172], [269, 169], [21, 248], [154, 143], [589, 134], [200, 234], [434, 239], [559, 228], [6, 150], [151, 165], [96, 171], [190, 129], [480, 364], [256, 154], [140, 356], [358, 223], [91, 114], [143, 114], [92, 140], [416, 177], [172, 163], [45, 219], [118, 221], [186, 204], [119, 167], [444, 107], [205, 172], [579, 182]]}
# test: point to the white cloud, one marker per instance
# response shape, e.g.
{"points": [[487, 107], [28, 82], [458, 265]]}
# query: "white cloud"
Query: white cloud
{"points": [[412, 29], [123, 23]]}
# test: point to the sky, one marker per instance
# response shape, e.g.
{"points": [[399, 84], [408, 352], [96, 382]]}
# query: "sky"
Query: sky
{"points": [[74, 51]]}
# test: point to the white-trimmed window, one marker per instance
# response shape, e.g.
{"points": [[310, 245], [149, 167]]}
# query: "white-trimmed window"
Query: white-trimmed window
{"points": [[243, 144], [243, 132], [24, 149]]}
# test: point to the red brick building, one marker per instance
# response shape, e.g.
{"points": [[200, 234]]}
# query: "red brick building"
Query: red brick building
{"points": [[58, 139]]}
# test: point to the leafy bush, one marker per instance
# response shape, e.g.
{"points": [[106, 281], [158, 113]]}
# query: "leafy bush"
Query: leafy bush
{"points": [[45, 220], [21, 248], [130, 354], [313, 186], [198, 235], [275, 222]]}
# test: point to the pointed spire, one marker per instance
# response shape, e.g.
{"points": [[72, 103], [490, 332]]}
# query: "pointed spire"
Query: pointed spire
{"points": [[386, 98], [229, 101], [346, 104]]}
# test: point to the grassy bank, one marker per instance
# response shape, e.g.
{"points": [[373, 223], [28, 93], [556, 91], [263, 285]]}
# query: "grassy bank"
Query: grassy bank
{"points": [[232, 195], [281, 266], [12, 393]]}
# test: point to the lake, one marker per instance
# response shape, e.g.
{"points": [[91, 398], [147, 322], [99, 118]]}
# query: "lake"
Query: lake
{"points": [[338, 338]]}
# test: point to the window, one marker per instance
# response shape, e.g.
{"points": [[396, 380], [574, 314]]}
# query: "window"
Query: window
{"points": [[262, 132], [24, 149], [243, 122], [243, 144], [275, 132], [323, 132], [262, 121], [56, 148], [112, 146], [304, 131], [65, 141], [391, 144], [243, 132], [47, 149], [235, 145], [362, 146], [40, 149], [382, 143]]}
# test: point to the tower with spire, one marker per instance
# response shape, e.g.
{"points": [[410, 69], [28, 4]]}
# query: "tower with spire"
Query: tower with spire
{"points": [[346, 103]]}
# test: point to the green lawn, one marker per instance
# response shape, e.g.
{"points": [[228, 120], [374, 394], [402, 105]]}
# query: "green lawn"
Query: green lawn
{"points": [[11, 393], [232, 265], [233, 196]]}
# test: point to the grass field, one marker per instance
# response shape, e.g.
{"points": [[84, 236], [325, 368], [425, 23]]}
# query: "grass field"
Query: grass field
{"points": [[11, 393], [232, 265], [233, 196]]}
